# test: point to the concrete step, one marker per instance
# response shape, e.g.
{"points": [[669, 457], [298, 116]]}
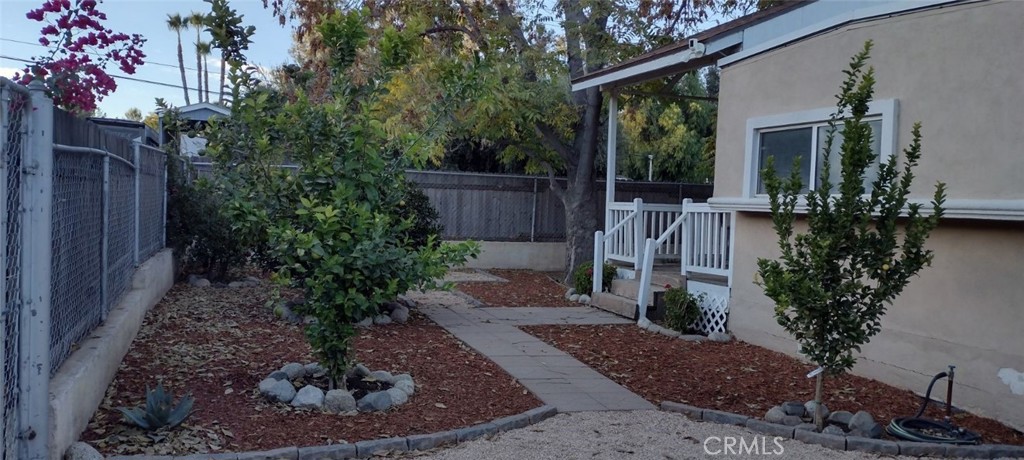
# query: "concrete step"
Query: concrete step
{"points": [[615, 304], [630, 289], [671, 277]]}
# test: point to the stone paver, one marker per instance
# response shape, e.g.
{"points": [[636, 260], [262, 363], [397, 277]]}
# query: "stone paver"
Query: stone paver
{"points": [[555, 377]]}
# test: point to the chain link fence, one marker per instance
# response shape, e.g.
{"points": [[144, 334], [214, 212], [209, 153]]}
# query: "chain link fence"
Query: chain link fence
{"points": [[82, 207], [14, 109]]}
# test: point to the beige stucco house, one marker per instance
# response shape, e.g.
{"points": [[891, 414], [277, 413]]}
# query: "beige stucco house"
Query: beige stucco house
{"points": [[955, 66]]}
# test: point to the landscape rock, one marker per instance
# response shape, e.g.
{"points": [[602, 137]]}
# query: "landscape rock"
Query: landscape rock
{"points": [[360, 370], [569, 293], [390, 306], [693, 337], [294, 370], [309, 397], [875, 431], [266, 385], [775, 415], [574, 298], [793, 408], [841, 417], [278, 375], [376, 401], [862, 420], [398, 397], [198, 282], [719, 336], [400, 314], [382, 319], [806, 426], [282, 391], [406, 385], [401, 377], [585, 299], [383, 376], [237, 284], [832, 429], [252, 280], [82, 451], [810, 407], [339, 401], [792, 420], [314, 370], [365, 322]]}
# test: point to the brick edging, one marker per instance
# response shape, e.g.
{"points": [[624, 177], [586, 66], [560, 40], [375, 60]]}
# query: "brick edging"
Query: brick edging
{"points": [[363, 449], [854, 443]]}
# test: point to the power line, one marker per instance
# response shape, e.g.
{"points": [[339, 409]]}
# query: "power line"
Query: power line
{"points": [[92, 53], [121, 77]]}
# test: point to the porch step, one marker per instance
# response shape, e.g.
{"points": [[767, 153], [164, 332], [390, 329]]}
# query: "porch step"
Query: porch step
{"points": [[615, 304], [670, 276], [630, 289]]}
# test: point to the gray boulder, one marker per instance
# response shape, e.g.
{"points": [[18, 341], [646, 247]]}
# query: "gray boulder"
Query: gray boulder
{"points": [[314, 370], [82, 451], [841, 417], [403, 377], [574, 298], [793, 408], [382, 319], [252, 280], [339, 401], [360, 370], [365, 322], [720, 337], [376, 401], [294, 370], [282, 391], [406, 386], [775, 415], [309, 397], [197, 281], [278, 375], [382, 376], [266, 385], [237, 284], [569, 293], [810, 406], [862, 420], [400, 314], [792, 420], [874, 432], [585, 299], [398, 397], [832, 429]]}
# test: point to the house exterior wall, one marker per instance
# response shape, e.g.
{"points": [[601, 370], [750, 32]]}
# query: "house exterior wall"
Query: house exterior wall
{"points": [[957, 70]]}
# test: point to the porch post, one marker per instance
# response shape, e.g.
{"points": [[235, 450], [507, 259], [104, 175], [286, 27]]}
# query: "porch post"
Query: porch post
{"points": [[609, 187]]}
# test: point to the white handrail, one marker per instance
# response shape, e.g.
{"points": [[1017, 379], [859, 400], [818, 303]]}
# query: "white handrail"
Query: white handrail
{"points": [[621, 224]]}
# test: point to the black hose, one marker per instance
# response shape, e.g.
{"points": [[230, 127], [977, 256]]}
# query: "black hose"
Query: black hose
{"points": [[921, 429]]}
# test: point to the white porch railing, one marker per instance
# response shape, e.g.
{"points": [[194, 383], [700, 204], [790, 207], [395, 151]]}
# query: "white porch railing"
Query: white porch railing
{"points": [[626, 241]]}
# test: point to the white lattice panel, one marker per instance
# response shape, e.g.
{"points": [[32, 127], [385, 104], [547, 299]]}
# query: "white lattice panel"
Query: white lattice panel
{"points": [[714, 311]]}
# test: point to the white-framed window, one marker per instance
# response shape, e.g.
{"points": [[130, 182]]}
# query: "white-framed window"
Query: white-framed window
{"points": [[802, 134]]}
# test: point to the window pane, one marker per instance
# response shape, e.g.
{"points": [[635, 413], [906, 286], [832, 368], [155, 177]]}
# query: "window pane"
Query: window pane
{"points": [[785, 146], [835, 166]]}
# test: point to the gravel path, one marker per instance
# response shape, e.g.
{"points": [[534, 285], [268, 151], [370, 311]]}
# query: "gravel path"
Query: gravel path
{"points": [[638, 435]]}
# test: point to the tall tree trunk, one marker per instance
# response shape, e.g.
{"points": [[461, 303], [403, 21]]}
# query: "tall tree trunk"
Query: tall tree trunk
{"points": [[580, 224], [206, 77], [181, 67], [199, 73], [222, 66]]}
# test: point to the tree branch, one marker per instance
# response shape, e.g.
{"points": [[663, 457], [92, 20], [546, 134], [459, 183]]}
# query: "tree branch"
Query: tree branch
{"points": [[441, 29], [552, 177], [474, 25]]}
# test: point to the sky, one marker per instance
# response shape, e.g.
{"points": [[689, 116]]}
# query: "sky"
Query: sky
{"points": [[148, 18]]}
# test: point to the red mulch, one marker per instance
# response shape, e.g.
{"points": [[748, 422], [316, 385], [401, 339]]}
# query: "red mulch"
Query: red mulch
{"points": [[219, 343], [524, 289], [737, 377]]}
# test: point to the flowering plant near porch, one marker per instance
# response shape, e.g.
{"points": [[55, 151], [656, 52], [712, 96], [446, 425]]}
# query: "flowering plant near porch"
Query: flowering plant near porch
{"points": [[832, 284]]}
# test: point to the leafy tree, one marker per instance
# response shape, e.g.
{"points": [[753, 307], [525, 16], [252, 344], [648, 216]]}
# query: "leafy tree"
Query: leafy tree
{"points": [[832, 284], [345, 226], [133, 114], [230, 36], [152, 120], [499, 71], [74, 72], [177, 24]]}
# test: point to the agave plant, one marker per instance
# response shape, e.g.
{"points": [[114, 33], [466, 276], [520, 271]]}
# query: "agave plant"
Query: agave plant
{"points": [[160, 410]]}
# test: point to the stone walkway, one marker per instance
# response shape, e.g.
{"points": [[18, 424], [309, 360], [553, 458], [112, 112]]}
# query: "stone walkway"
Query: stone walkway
{"points": [[555, 377]]}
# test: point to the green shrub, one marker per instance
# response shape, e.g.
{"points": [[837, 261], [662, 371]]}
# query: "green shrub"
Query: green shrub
{"points": [[583, 280], [416, 206], [682, 309]]}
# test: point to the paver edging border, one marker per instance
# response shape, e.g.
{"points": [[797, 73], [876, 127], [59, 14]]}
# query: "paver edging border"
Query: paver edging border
{"points": [[851, 443], [367, 448]]}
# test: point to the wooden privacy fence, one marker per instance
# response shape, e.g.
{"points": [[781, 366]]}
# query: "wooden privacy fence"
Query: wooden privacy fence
{"points": [[493, 207]]}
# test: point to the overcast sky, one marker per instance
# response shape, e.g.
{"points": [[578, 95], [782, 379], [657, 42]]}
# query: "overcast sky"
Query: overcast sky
{"points": [[146, 17]]}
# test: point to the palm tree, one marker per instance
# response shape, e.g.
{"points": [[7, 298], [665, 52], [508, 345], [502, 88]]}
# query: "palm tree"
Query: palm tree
{"points": [[177, 24], [203, 49], [197, 21]]}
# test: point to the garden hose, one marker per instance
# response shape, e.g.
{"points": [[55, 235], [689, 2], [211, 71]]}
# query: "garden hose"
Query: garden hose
{"points": [[922, 429]]}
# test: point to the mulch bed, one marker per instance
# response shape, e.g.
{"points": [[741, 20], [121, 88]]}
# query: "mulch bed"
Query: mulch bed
{"points": [[217, 344], [738, 377], [524, 289]]}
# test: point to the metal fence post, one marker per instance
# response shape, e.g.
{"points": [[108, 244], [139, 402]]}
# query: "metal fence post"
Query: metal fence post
{"points": [[533, 213], [138, 208], [105, 242], [163, 212], [36, 271]]}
